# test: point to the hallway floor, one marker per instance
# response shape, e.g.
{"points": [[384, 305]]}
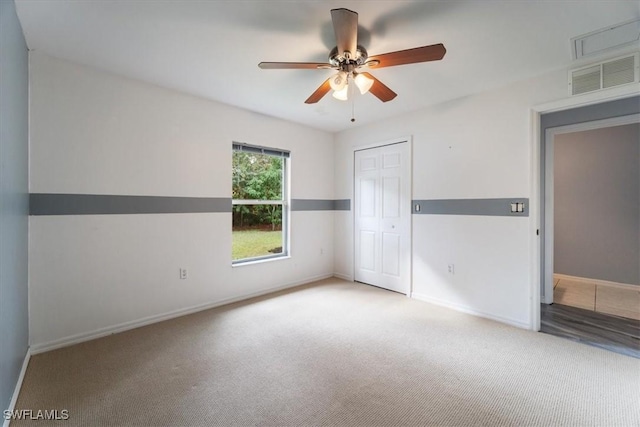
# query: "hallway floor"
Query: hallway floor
{"points": [[593, 296], [617, 334]]}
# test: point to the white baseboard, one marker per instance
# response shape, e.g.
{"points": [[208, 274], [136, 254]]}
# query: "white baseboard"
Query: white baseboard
{"points": [[469, 310], [109, 330], [586, 280], [16, 391], [343, 276]]}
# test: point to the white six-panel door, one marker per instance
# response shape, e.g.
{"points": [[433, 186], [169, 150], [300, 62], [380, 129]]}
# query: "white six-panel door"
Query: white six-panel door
{"points": [[382, 216]]}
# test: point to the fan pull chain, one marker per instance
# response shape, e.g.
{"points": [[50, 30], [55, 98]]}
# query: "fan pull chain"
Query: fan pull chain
{"points": [[353, 106]]}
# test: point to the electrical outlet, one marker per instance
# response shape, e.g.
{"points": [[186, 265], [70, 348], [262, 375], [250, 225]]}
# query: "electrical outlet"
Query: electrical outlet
{"points": [[451, 269], [183, 273]]}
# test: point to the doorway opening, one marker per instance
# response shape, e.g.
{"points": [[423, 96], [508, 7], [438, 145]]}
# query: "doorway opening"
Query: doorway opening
{"points": [[591, 234]]}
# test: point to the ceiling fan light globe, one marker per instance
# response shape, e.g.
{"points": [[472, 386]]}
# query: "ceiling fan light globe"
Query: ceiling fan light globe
{"points": [[342, 94], [363, 82], [338, 81]]}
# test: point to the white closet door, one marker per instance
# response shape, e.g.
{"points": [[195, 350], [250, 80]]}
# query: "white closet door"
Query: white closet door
{"points": [[382, 216]]}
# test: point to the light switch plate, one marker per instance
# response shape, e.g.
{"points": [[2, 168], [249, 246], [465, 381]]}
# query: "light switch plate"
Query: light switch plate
{"points": [[517, 207]]}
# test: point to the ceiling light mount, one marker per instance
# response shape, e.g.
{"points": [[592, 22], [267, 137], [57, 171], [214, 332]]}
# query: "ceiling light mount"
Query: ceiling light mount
{"points": [[348, 62]]}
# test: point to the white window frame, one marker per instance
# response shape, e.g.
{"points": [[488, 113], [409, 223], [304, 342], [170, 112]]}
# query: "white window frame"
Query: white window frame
{"points": [[284, 201]]}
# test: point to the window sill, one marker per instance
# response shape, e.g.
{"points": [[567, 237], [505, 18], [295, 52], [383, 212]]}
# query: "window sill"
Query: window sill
{"points": [[259, 261]]}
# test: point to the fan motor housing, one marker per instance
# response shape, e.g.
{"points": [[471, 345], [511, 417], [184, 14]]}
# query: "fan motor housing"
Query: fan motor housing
{"points": [[348, 62]]}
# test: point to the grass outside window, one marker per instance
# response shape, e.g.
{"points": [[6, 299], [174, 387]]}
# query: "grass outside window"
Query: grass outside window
{"points": [[256, 243]]}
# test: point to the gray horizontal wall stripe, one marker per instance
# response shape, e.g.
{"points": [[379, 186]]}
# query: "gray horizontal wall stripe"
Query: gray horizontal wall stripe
{"points": [[311, 205], [320, 205], [489, 207], [98, 204], [342, 205]]}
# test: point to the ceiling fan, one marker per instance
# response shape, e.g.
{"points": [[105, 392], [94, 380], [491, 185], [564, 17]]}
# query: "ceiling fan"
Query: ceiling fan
{"points": [[348, 57]]}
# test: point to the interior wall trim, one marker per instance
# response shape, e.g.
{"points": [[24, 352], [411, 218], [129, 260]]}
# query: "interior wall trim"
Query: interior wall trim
{"points": [[37, 348], [465, 309], [320, 205], [105, 204], [16, 391], [590, 113], [101, 204], [598, 282], [342, 205], [485, 207]]}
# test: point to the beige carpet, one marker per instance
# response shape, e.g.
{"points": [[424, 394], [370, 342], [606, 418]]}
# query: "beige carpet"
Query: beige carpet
{"points": [[333, 353]]}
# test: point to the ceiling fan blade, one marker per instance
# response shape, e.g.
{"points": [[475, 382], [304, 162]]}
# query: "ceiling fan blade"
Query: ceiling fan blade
{"points": [[319, 93], [345, 27], [380, 90], [410, 56], [293, 65]]}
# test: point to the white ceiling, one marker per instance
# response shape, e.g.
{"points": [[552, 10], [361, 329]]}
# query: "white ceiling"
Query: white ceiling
{"points": [[211, 48]]}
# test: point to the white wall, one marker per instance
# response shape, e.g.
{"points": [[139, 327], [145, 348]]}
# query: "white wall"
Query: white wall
{"points": [[96, 133], [471, 148]]}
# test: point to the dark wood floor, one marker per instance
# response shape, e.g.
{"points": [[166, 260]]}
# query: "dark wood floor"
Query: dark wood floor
{"points": [[613, 333]]}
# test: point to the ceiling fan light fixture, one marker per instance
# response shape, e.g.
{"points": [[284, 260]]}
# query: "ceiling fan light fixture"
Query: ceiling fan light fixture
{"points": [[342, 94], [363, 82], [348, 57], [338, 81]]}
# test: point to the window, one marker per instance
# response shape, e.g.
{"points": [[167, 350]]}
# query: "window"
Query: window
{"points": [[260, 208]]}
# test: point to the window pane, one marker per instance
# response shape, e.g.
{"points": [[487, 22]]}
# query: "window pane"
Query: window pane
{"points": [[257, 176], [257, 231]]}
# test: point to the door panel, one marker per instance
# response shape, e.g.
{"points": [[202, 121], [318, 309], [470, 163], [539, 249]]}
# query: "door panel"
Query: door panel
{"points": [[368, 164], [391, 160], [391, 254], [390, 200], [368, 197], [383, 216], [368, 250]]}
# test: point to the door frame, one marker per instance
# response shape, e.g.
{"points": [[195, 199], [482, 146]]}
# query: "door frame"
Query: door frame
{"points": [[538, 232], [549, 235], [409, 264]]}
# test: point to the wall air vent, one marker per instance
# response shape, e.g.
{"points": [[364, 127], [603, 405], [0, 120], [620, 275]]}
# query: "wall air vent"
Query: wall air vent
{"points": [[607, 74], [600, 41]]}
